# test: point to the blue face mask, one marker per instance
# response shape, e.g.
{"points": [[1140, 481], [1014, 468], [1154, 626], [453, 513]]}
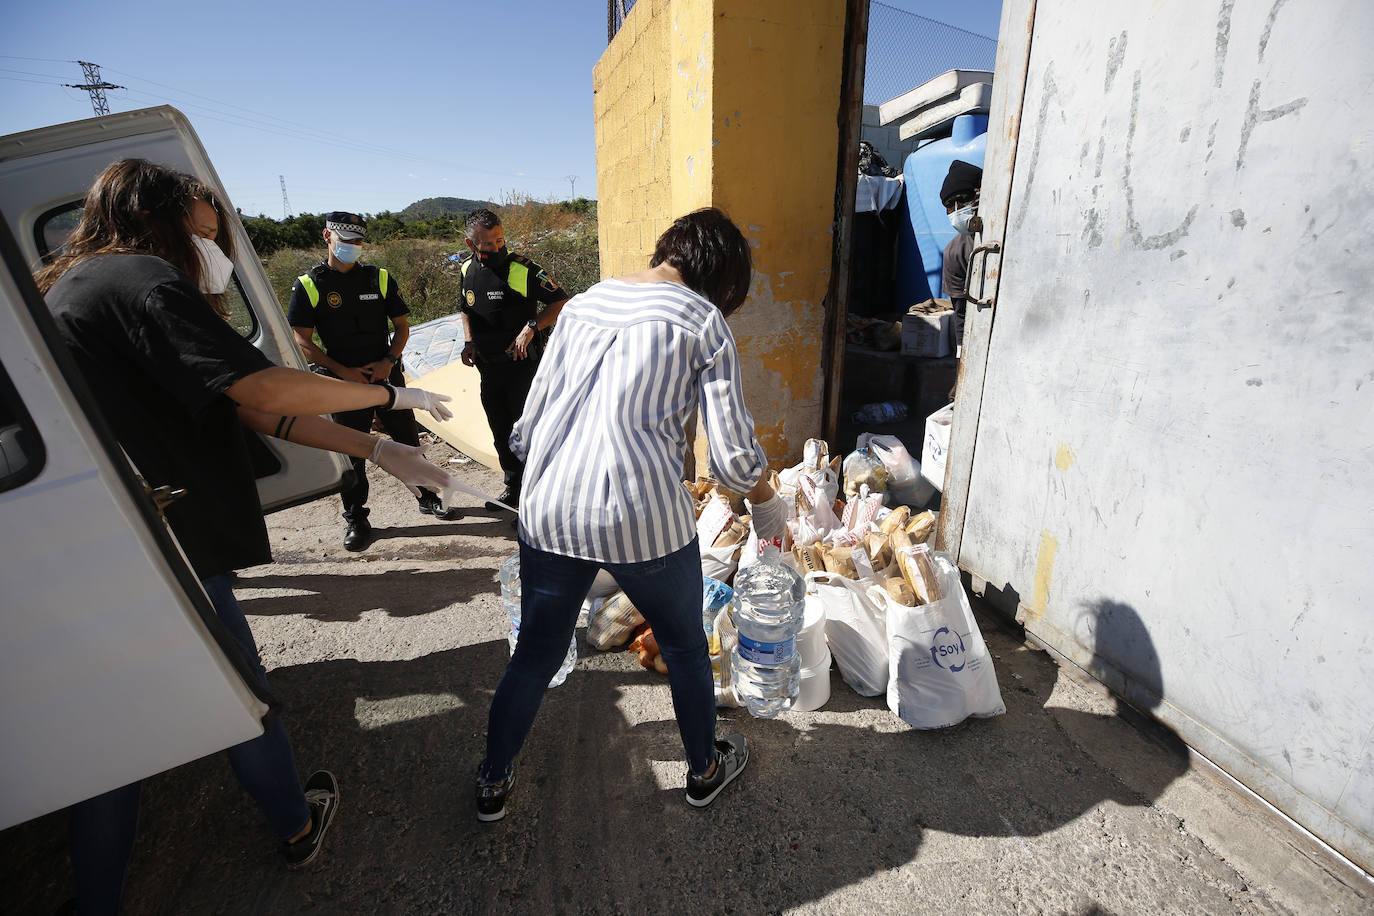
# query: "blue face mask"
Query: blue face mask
{"points": [[346, 253]]}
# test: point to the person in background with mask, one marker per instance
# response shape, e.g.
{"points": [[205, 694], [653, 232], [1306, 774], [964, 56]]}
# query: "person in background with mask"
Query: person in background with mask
{"points": [[507, 300], [349, 304], [959, 194], [177, 385]]}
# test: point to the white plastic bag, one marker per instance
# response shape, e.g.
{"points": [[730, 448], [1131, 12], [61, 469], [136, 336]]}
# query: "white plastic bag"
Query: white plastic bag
{"points": [[907, 487], [720, 562], [856, 631], [940, 672]]}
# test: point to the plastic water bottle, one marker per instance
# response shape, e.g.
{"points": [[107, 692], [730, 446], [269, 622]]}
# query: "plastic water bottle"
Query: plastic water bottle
{"points": [[510, 597], [881, 412], [764, 665]]}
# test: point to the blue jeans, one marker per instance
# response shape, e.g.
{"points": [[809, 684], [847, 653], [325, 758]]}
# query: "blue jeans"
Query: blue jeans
{"points": [[667, 591], [102, 829]]}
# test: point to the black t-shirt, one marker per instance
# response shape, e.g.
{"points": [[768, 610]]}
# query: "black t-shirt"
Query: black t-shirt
{"points": [[158, 360], [495, 307], [352, 316]]}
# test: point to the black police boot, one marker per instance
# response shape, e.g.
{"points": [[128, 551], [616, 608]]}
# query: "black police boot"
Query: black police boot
{"points": [[510, 496], [430, 504], [358, 535]]}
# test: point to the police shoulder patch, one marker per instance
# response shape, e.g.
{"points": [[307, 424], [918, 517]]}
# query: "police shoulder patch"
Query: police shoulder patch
{"points": [[546, 281], [471, 297]]}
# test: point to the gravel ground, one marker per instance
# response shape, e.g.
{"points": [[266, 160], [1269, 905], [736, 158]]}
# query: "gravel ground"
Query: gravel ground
{"points": [[387, 659]]}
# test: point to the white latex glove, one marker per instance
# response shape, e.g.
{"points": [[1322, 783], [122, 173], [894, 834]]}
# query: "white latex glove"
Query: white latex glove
{"points": [[420, 399], [408, 465], [769, 518]]}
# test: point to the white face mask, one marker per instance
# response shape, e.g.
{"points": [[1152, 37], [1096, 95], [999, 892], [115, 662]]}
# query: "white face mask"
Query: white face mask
{"points": [[215, 266], [959, 219]]}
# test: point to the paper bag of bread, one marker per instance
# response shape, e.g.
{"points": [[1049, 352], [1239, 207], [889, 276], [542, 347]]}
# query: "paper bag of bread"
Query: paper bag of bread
{"points": [[895, 519], [918, 570], [921, 526]]}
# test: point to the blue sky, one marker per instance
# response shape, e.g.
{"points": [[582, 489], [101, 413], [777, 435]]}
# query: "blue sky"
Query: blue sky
{"points": [[359, 106]]}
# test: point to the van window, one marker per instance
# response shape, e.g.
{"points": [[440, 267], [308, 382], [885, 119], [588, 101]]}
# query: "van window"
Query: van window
{"points": [[22, 454], [53, 227], [241, 317]]}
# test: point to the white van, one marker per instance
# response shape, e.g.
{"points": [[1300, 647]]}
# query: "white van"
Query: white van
{"points": [[113, 665]]}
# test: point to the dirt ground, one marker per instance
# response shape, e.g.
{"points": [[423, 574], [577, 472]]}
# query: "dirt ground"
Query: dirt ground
{"points": [[386, 661]]}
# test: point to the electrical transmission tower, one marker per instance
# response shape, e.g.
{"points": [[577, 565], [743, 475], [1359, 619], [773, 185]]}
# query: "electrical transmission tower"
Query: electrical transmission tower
{"points": [[285, 204], [95, 86], [572, 186]]}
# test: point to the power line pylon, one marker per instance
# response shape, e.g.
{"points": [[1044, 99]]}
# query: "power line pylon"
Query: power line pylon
{"points": [[285, 204], [95, 86], [572, 186]]}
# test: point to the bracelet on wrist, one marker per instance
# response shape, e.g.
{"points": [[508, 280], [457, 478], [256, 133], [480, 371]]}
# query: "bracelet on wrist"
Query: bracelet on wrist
{"points": [[390, 396], [394, 359]]}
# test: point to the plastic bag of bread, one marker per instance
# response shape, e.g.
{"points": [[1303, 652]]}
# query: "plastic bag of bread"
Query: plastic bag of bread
{"points": [[862, 468], [614, 622]]}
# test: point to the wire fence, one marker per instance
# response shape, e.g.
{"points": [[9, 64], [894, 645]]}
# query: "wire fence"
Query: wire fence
{"points": [[616, 11], [905, 50]]}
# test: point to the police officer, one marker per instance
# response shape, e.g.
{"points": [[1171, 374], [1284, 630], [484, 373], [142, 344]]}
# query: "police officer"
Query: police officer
{"points": [[501, 314], [349, 303]]}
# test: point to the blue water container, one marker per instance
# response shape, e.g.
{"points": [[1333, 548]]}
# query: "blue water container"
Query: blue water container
{"points": [[926, 231]]}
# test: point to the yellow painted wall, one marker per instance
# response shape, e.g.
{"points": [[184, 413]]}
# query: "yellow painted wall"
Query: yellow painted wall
{"points": [[733, 103]]}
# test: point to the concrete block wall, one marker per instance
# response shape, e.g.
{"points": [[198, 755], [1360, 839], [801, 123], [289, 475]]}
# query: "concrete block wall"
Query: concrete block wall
{"points": [[733, 103]]}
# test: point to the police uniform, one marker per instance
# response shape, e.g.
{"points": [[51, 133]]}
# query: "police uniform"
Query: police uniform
{"points": [[352, 312], [499, 304]]}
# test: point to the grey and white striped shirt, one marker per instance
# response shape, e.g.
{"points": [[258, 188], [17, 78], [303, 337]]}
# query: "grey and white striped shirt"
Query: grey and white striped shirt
{"points": [[602, 434]]}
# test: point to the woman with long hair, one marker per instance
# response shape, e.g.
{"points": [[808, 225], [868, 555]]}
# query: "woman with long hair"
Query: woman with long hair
{"points": [[134, 295]]}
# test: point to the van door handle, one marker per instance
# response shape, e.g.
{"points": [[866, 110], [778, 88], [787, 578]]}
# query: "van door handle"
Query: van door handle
{"points": [[989, 248]]}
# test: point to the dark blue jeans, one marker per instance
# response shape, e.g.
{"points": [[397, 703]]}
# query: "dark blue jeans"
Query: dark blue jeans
{"points": [[667, 591], [102, 828]]}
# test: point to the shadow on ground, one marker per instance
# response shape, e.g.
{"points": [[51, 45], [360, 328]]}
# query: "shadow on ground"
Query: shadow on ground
{"points": [[597, 823]]}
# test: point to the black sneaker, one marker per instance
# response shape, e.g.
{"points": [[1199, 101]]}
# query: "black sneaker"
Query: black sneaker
{"points": [[732, 755], [358, 535], [510, 496], [430, 504], [322, 795], [491, 796]]}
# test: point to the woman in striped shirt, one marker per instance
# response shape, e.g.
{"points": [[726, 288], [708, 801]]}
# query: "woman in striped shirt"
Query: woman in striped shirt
{"points": [[603, 438]]}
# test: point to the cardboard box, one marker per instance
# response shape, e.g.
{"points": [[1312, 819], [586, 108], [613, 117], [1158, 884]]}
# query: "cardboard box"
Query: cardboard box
{"points": [[935, 447], [927, 328]]}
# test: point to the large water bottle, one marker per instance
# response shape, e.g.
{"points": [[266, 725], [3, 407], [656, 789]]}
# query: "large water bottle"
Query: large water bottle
{"points": [[764, 665], [510, 597]]}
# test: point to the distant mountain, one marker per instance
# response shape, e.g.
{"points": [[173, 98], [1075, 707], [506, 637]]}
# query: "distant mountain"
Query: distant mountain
{"points": [[431, 207]]}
